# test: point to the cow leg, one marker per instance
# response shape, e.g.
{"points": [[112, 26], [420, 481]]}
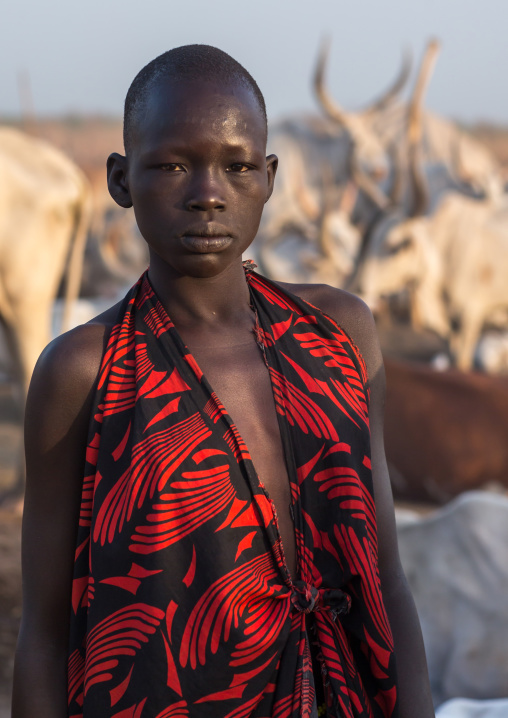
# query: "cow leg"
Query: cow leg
{"points": [[465, 341], [427, 310], [12, 494], [12, 498], [31, 331], [26, 338]]}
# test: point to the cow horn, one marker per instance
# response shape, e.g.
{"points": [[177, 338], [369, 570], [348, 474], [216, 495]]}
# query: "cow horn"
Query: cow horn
{"points": [[329, 106], [368, 186], [415, 128], [307, 203], [324, 241], [396, 193], [304, 197], [391, 94]]}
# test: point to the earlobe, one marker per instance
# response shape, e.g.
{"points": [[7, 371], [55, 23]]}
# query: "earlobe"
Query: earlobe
{"points": [[272, 162], [117, 180]]}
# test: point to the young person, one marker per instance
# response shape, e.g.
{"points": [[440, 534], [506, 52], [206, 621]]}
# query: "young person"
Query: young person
{"points": [[203, 532]]}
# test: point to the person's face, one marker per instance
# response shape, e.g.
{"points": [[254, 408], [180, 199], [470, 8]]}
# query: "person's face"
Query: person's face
{"points": [[196, 175]]}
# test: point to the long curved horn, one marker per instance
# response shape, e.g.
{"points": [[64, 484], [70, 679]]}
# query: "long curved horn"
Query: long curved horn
{"points": [[396, 193], [334, 112], [391, 94], [415, 128], [368, 186], [329, 106]]}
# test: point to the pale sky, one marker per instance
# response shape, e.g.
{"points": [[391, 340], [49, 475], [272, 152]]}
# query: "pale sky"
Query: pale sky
{"points": [[81, 57]]}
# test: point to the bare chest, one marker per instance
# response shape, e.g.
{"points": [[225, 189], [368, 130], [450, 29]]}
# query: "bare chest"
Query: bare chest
{"points": [[240, 378]]}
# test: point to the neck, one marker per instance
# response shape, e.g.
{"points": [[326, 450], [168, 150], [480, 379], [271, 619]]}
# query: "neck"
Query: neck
{"points": [[202, 301]]}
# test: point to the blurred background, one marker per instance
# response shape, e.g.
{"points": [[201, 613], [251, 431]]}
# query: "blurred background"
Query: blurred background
{"points": [[390, 121]]}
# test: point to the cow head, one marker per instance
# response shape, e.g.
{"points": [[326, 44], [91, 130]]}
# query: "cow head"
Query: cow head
{"points": [[370, 154], [406, 259], [393, 260]]}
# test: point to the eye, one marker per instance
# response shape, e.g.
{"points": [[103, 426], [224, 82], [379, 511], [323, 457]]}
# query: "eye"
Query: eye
{"points": [[171, 167], [406, 243], [239, 167], [400, 246]]}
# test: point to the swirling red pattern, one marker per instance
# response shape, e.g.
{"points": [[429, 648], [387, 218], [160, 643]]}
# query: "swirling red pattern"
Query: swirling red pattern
{"points": [[182, 605]]}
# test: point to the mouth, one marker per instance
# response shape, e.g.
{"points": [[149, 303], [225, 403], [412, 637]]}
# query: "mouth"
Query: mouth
{"points": [[205, 241]]}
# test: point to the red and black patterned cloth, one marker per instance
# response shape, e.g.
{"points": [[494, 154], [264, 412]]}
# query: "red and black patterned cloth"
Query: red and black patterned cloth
{"points": [[182, 604]]}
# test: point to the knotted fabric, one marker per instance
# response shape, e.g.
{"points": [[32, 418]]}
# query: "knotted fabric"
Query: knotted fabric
{"points": [[182, 605], [306, 598]]}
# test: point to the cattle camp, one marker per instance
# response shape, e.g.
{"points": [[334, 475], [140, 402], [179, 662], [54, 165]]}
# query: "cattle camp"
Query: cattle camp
{"points": [[398, 203]]}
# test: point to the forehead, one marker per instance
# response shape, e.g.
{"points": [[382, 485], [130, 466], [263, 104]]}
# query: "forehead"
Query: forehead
{"points": [[188, 110]]}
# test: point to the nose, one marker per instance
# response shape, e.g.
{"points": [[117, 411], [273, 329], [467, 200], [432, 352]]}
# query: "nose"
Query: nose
{"points": [[205, 194]]}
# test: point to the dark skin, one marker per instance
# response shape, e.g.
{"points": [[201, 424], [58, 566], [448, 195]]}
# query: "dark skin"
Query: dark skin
{"points": [[198, 179]]}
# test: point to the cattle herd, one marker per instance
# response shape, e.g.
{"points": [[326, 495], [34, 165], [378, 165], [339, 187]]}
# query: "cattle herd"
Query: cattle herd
{"points": [[394, 203], [409, 211]]}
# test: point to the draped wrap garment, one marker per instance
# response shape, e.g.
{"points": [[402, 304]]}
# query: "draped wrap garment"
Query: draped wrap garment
{"points": [[182, 604]]}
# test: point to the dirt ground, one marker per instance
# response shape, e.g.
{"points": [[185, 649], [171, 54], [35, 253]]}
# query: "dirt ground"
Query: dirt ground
{"points": [[10, 595], [10, 546]]}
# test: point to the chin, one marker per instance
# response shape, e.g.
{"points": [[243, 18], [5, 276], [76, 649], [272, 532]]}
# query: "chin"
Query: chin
{"points": [[206, 266]]}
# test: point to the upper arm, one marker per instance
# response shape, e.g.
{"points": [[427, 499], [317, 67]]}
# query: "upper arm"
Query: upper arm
{"points": [[367, 342], [354, 316], [56, 427]]}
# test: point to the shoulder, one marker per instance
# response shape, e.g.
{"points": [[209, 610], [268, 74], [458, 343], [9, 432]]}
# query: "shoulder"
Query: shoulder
{"points": [[74, 357], [65, 375], [351, 314]]}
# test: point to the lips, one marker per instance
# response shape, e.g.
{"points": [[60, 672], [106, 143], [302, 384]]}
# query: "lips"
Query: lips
{"points": [[204, 241]]}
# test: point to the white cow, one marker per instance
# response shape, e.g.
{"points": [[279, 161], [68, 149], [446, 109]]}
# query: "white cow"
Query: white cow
{"points": [[464, 708], [456, 564], [452, 158], [306, 233], [454, 265], [315, 167], [451, 262], [318, 157], [44, 216]]}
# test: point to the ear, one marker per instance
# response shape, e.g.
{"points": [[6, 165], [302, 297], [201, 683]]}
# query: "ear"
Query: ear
{"points": [[118, 184], [272, 162]]}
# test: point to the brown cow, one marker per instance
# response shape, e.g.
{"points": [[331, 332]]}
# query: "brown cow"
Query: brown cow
{"points": [[445, 432]]}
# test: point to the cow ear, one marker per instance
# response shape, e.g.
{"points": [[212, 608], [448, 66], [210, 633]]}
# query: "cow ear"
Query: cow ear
{"points": [[117, 180]]}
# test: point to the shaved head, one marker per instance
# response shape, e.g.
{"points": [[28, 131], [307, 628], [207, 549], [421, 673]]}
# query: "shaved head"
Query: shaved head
{"points": [[186, 63]]}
